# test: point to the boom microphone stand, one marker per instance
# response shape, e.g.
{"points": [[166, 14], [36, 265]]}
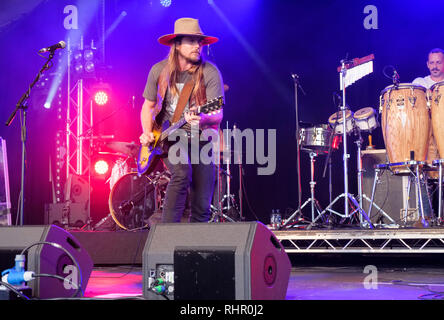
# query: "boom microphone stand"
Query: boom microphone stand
{"points": [[22, 107], [298, 212]]}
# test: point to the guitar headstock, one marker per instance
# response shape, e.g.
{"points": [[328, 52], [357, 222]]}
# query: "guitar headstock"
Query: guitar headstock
{"points": [[212, 107]]}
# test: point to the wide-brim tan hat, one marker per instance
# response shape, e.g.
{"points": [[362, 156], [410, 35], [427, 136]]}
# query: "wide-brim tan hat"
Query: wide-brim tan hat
{"points": [[186, 27]]}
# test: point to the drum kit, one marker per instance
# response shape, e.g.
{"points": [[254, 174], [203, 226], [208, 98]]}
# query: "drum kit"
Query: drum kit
{"points": [[412, 125], [412, 120], [133, 200]]}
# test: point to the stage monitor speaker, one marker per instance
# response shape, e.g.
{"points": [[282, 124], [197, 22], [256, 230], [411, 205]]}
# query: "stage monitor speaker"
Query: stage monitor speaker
{"points": [[221, 261], [391, 191], [46, 259], [66, 214]]}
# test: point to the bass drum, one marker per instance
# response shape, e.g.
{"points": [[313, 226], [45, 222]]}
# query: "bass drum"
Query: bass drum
{"points": [[135, 199]]}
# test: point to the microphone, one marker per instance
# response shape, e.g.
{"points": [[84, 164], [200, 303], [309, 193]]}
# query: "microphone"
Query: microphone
{"points": [[59, 45], [395, 77]]}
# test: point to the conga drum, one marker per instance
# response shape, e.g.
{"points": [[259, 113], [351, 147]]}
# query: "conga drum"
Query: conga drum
{"points": [[437, 107], [405, 123], [432, 154]]}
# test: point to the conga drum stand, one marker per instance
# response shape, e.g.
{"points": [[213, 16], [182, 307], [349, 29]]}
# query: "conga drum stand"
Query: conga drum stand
{"points": [[414, 175], [439, 163]]}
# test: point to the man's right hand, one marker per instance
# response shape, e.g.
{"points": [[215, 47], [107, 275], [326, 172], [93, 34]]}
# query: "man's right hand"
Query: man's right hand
{"points": [[146, 138]]}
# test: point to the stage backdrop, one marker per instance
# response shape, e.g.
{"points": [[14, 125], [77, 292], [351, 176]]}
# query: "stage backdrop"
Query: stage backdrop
{"points": [[261, 44]]}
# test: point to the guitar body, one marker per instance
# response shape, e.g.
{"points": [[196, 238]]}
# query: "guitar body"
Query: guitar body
{"points": [[150, 155]]}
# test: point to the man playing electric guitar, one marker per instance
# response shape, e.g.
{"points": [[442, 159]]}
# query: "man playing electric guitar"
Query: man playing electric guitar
{"points": [[175, 87]]}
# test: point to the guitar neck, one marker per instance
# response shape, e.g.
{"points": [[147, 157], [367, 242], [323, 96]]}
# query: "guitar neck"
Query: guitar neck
{"points": [[171, 129], [214, 104]]}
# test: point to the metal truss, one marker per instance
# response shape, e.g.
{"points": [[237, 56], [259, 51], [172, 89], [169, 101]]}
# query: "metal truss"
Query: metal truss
{"points": [[363, 241], [78, 127]]}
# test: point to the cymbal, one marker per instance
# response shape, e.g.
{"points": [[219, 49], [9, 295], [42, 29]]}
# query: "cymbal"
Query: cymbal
{"points": [[117, 154], [128, 148]]}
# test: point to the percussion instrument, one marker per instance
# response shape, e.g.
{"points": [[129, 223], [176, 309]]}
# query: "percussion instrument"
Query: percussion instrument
{"points": [[336, 119], [366, 119], [437, 112], [315, 138], [134, 198], [405, 123], [432, 155], [119, 169]]}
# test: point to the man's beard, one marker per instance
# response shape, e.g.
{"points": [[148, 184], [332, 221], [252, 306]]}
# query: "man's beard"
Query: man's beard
{"points": [[191, 60]]}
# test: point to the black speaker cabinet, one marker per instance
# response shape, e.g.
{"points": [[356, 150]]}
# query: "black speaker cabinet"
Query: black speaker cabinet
{"points": [[66, 214], [391, 191], [46, 259], [202, 261]]}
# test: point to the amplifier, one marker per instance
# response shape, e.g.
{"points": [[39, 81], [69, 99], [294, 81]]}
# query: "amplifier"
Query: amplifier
{"points": [[391, 192]]}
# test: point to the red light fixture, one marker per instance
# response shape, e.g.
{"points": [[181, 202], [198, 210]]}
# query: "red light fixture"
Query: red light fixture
{"points": [[101, 167], [101, 98]]}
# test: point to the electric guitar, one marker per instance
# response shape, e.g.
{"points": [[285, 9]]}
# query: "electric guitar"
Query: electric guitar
{"points": [[150, 155]]}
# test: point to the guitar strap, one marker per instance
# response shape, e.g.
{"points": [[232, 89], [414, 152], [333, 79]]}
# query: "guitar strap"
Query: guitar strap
{"points": [[183, 99]]}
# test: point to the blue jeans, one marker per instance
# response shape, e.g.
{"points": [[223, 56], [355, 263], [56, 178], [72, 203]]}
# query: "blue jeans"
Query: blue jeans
{"points": [[199, 178]]}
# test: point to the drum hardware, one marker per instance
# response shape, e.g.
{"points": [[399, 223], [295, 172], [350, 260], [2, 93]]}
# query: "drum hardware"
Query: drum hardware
{"points": [[348, 74], [439, 162], [372, 201], [297, 87], [219, 211], [297, 215], [312, 200], [129, 148], [414, 176]]}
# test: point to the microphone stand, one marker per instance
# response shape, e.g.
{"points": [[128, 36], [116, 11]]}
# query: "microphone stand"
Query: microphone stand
{"points": [[22, 106], [298, 212]]}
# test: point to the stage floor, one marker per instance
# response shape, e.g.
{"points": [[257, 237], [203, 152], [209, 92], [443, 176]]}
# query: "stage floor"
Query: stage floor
{"points": [[306, 283]]}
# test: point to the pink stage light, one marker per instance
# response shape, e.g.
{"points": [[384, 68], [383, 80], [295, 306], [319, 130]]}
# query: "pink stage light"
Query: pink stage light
{"points": [[101, 167], [101, 98]]}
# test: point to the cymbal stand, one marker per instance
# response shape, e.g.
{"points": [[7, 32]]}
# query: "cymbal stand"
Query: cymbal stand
{"points": [[360, 171], [218, 213], [312, 200], [346, 195]]}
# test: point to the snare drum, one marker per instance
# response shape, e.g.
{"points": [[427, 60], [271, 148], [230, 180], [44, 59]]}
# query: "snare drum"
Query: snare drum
{"points": [[366, 119], [337, 119], [405, 122], [315, 138]]}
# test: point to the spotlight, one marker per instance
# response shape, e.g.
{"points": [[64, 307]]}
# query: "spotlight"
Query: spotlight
{"points": [[101, 167], [78, 56], [47, 105], [101, 98], [89, 66], [165, 3], [79, 68], [88, 54]]}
